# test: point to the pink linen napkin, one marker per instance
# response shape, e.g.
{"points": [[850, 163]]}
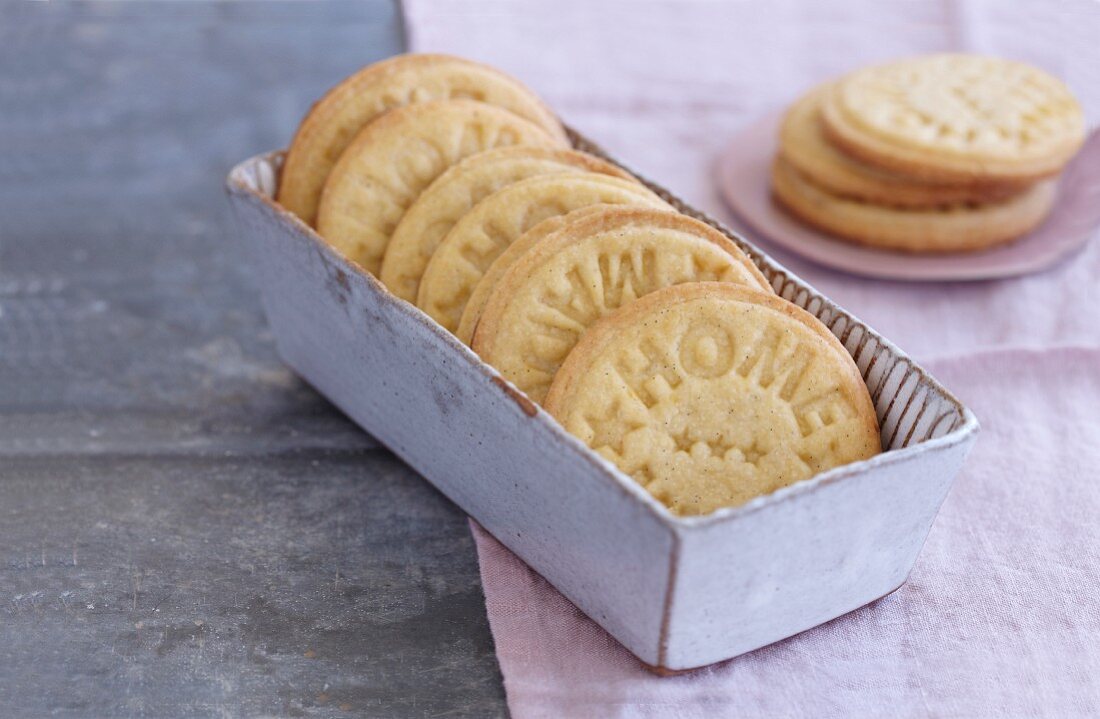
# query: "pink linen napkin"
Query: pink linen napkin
{"points": [[1001, 616]]}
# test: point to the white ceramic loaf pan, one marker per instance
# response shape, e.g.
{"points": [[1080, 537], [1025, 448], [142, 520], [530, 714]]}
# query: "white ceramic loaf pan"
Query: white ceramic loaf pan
{"points": [[677, 592]]}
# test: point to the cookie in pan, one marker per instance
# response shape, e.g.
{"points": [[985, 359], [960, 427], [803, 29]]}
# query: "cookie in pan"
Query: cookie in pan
{"points": [[456, 191], [484, 232], [562, 285], [471, 314], [396, 157], [334, 121], [711, 394]]}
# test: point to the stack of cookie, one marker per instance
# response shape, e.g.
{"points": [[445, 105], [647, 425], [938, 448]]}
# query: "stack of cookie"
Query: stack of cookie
{"points": [[941, 153], [648, 334]]}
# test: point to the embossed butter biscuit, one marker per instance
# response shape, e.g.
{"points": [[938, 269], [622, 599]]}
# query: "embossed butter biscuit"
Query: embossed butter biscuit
{"points": [[485, 232], [484, 289], [561, 286], [711, 394], [951, 118], [398, 155], [953, 228], [334, 121], [802, 143], [453, 193]]}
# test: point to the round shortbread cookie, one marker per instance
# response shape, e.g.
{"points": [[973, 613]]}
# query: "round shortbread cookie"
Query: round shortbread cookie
{"points": [[711, 394], [952, 228], [398, 155], [471, 314], [802, 143], [484, 232], [453, 193], [334, 120], [965, 118], [542, 305]]}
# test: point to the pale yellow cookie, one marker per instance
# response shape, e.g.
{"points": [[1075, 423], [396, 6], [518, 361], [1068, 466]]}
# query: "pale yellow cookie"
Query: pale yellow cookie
{"points": [[952, 228], [398, 155], [484, 289], [948, 118], [711, 394], [337, 118], [565, 283], [802, 143], [458, 189], [485, 231]]}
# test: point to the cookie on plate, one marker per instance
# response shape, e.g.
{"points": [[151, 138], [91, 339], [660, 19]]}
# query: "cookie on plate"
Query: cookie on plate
{"points": [[394, 158], [484, 232], [334, 121], [562, 285], [453, 193], [951, 228], [802, 143], [956, 118], [711, 394]]}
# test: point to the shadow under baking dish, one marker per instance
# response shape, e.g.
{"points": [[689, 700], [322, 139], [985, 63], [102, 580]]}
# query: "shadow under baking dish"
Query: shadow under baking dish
{"points": [[678, 592]]}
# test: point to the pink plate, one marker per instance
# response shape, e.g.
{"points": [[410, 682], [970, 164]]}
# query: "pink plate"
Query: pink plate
{"points": [[743, 176]]}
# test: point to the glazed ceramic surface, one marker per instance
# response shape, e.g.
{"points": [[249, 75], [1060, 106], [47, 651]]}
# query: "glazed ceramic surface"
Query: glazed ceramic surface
{"points": [[677, 592]]}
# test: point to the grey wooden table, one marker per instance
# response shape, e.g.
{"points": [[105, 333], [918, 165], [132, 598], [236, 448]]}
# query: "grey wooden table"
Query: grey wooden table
{"points": [[186, 529]]}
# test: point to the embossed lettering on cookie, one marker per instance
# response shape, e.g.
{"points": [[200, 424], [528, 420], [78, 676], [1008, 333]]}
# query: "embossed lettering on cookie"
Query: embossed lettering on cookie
{"points": [[710, 394], [565, 282], [337, 119]]}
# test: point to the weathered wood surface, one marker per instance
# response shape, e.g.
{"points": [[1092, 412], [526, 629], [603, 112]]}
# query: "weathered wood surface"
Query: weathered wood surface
{"points": [[186, 529]]}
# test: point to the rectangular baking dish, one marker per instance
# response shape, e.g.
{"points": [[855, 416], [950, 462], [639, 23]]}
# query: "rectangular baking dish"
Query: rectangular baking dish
{"points": [[678, 592]]}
